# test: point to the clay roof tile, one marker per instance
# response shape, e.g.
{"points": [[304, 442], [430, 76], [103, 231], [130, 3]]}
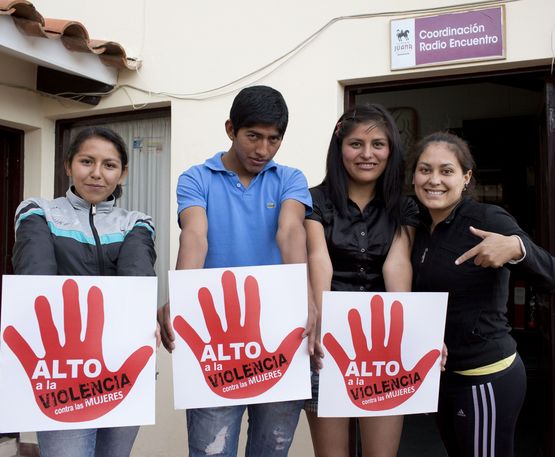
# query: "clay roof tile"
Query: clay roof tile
{"points": [[73, 34]]}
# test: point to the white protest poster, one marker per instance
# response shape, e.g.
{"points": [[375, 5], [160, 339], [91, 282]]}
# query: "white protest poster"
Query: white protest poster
{"points": [[382, 353], [238, 335], [77, 352]]}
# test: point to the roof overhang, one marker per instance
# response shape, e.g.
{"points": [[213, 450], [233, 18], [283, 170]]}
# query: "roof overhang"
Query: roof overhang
{"points": [[53, 54]]}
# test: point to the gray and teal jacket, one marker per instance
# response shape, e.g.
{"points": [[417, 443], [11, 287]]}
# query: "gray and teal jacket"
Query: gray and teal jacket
{"points": [[69, 236]]}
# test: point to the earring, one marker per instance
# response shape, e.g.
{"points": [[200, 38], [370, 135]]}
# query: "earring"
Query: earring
{"points": [[465, 186]]}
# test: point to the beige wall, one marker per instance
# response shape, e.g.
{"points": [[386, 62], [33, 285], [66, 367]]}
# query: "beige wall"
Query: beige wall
{"points": [[190, 47], [22, 109]]}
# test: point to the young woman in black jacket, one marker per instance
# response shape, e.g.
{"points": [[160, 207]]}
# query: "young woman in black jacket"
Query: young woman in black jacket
{"points": [[468, 249]]}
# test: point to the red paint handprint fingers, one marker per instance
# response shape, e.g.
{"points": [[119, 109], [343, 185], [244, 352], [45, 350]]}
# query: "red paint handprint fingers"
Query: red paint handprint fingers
{"points": [[378, 322], [231, 301], [360, 344], [291, 341], [21, 349], [252, 303], [48, 330], [72, 312], [189, 335], [135, 363], [426, 362], [213, 322], [341, 358], [234, 361], [396, 331], [95, 316], [211, 317]]}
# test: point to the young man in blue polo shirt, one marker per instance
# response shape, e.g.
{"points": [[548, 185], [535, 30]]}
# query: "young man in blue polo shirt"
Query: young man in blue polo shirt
{"points": [[241, 208]]}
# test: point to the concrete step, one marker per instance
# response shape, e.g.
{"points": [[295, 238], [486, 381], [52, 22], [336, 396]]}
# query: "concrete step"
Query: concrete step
{"points": [[8, 447]]}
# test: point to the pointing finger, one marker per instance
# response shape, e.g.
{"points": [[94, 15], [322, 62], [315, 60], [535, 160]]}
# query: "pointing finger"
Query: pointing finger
{"points": [[467, 255]]}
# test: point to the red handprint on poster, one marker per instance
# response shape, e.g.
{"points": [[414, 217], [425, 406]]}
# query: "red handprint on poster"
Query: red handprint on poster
{"points": [[234, 362], [71, 382], [376, 379]]}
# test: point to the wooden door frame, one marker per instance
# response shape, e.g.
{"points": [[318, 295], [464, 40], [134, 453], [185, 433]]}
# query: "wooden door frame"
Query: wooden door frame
{"points": [[12, 189], [546, 202], [11, 194], [546, 210]]}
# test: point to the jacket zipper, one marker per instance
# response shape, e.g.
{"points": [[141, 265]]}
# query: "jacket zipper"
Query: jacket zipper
{"points": [[99, 256]]}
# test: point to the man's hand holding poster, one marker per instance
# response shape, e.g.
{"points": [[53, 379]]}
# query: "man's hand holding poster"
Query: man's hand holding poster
{"points": [[383, 353], [239, 335], [77, 352]]}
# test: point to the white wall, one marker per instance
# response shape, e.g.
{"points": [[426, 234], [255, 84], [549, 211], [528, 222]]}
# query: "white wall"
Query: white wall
{"points": [[190, 47], [22, 109]]}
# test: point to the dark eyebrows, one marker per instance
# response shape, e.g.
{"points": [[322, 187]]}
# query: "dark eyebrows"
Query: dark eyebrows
{"points": [[443, 165], [383, 139], [261, 135], [81, 156]]}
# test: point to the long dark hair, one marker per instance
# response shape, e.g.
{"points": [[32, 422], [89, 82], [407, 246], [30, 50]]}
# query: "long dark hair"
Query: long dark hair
{"points": [[389, 186], [103, 133]]}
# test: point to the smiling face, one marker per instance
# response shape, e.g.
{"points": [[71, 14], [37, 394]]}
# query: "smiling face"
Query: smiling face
{"points": [[365, 152], [96, 170], [252, 148], [439, 180]]}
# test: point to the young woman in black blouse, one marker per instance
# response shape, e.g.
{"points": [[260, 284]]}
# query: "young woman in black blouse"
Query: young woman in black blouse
{"points": [[359, 239], [466, 248]]}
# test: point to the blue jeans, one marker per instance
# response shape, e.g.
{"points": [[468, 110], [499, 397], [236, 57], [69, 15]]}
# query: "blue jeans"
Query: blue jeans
{"points": [[91, 442], [215, 431]]}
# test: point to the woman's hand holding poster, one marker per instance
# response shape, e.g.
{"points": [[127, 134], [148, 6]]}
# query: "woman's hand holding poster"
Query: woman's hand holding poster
{"points": [[77, 352], [383, 353], [239, 335]]}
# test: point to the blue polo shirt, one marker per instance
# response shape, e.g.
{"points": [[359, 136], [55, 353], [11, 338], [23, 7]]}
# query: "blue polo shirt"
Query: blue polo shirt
{"points": [[242, 222]]}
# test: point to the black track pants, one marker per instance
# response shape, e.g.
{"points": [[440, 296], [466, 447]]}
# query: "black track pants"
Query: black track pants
{"points": [[477, 414]]}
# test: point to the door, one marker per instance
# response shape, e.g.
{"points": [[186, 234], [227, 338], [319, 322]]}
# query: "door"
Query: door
{"points": [[11, 191], [446, 103], [546, 235]]}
